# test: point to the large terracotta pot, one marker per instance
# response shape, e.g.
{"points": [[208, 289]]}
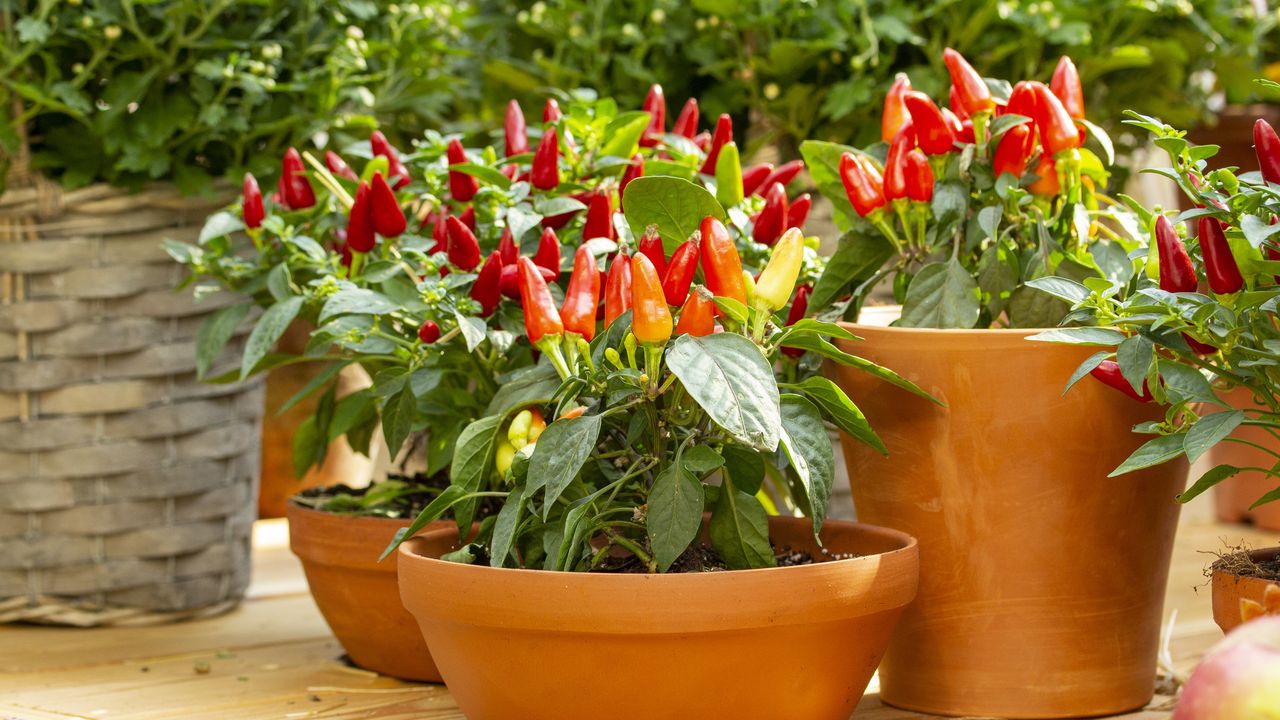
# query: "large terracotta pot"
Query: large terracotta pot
{"points": [[1042, 579], [1229, 588], [357, 594], [796, 642], [1233, 496]]}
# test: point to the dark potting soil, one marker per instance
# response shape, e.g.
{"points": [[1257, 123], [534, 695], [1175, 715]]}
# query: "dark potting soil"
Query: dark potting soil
{"points": [[704, 558], [1239, 563], [399, 497]]}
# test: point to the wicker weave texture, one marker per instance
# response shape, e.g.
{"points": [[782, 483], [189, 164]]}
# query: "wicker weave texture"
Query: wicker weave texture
{"points": [[127, 487]]}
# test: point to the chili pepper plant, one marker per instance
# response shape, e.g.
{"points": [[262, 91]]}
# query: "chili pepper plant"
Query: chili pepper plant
{"points": [[1196, 317], [963, 202], [673, 409], [409, 266]]}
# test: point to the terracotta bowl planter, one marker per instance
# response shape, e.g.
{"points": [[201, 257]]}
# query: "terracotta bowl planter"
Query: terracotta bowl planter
{"points": [[1233, 496], [1042, 580], [1229, 588], [356, 594], [797, 642]]}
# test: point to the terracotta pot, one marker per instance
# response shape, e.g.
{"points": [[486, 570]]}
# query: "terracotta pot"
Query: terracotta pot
{"points": [[341, 464], [1042, 579], [357, 594], [1233, 496], [1229, 589], [797, 642]]}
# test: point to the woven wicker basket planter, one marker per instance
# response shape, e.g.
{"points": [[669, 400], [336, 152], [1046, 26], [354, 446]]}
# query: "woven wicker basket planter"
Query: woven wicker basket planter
{"points": [[127, 487]]}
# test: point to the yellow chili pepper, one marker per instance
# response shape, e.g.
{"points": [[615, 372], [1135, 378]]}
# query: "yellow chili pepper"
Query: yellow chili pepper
{"points": [[729, 176], [773, 289]]}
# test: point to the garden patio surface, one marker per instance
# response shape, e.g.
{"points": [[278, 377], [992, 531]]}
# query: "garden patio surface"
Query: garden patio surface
{"points": [[273, 657]]}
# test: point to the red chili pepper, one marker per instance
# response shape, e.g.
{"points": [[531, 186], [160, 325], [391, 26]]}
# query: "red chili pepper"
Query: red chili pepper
{"points": [[388, 218], [655, 103], [617, 288], [1177, 274], [468, 218], [1057, 130], [961, 129], [1109, 374], [1066, 86], [920, 179], [651, 246], [510, 282], [360, 237], [395, 168], [541, 318], [1219, 264], [1198, 347], [865, 192], [548, 254], [895, 163], [702, 140], [251, 205], [932, 132], [278, 196], [487, 289], [1266, 145], [440, 234], [462, 186], [784, 174], [721, 265], [545, 174], [678, 275], [650, 317], [895, 112], [723, 134], [511, 171], [1014, 151], [599, 221], [799, 211], [754, 176], [429, 332], [1022, 101], [295, 187], [957, 107], [698, 314], [799, 306], [507, 247], [770, 223], [338, 166], [687, 123], [517, 138], [975, 96], [464, 249], [551, 111], [582, 297], [633, 171], [1046, 184]]}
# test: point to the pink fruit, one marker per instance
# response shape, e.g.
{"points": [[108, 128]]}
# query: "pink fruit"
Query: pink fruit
{"points": [[1239, 678]]}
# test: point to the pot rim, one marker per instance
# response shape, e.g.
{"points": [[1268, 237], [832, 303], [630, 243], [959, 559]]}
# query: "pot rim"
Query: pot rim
{"points": [[1267, 553], [691, 602], [863, 325], [297, 507]]}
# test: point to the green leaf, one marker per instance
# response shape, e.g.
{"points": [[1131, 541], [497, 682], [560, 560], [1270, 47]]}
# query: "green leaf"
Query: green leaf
{"points": [[307, 446], [278, 282], [1153, 452], [676, 206], [675, 513], [429, 514], [941, 295], [561, 451], [472, 329], [1030, 308], [473, 461], [739, 530], [1187, 382], [822, 160], [1210, 430], [1135, 355], [622, 134], [267, 332], [1081, 336], [701, 459], [1211, 477], [528, 386], [805, 441], [735, 310], [857, 257], [1085, 368], [1256, 230], [840, 409], [356, 301], [486, 174], [398, 416], [824, 348], [504, 528], [744, 467], [219, 225], [215, 332], [1060, 287], [727, 375]]}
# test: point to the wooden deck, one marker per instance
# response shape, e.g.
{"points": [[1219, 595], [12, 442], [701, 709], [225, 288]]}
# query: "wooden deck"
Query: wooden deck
{"points": [[274, 658]]}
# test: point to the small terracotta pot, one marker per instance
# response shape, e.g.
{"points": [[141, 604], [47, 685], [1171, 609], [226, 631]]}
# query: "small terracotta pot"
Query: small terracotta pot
{"points": [[1229, 589], [796, 642], [357, 594], [1233, 496], [1042, 579]]}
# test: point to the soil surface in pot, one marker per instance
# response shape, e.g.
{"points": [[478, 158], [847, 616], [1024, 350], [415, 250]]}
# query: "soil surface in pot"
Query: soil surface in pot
{"points": [[704, 558], [398, 497], [1239, 563]]}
